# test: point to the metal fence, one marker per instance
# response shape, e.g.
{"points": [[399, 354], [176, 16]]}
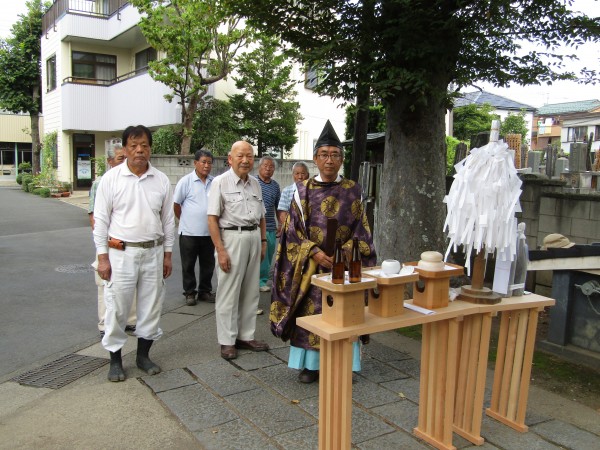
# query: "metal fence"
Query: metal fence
{"points": [[97, 8]]}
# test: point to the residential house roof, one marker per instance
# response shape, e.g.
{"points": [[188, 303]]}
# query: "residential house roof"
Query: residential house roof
{"points": [[497, 101], [568, 107]]}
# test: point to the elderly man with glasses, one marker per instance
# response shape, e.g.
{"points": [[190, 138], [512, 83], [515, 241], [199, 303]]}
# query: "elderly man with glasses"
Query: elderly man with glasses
{"points": [[304, 250]]}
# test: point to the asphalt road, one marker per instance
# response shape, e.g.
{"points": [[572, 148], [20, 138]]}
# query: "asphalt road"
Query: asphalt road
{"points": [[47, 292]]}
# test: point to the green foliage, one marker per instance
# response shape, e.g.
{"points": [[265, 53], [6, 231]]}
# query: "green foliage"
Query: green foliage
{"points": [[197, 41], [376, 119], [376, 125], [37, 191], [265, 111], [24, 167], [20, 70], [472, 119], [19, 178], [167, 140], [394, 46], [214, 127], [48, 174], [44, 192], [451, 144], [515, 124], [99, 166], [26, 179], [20, 63]]}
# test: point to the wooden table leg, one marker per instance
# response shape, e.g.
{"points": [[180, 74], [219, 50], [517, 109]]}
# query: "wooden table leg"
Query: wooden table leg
{"points": [[474, 338], [438, 383], [512, 373], [335, 395]]}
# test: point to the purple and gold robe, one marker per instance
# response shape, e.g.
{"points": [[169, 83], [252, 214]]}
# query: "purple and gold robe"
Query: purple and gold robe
{"points": [[303, 235]]}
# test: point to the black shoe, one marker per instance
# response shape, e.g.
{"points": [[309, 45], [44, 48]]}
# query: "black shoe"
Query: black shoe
{"points": [[207, 297], [102, 334], [130, 329], [190, 299], [308, 376]]}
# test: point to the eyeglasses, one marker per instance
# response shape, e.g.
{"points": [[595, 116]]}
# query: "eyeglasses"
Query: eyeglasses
{"points": [[333, 156]]}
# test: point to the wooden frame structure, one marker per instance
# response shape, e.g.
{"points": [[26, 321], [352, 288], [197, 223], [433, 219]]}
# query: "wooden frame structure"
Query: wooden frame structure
{"points": [[453, 367]]}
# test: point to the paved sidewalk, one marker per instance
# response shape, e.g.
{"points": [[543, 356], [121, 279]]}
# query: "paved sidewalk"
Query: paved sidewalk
{"points": [[253, 402]]}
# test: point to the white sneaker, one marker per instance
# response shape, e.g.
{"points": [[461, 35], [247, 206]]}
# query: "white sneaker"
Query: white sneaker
{"points": [[259, 312], [264, 288]]}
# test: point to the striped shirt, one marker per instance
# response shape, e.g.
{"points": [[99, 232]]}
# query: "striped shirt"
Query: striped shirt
{"points": [[271, 193]]}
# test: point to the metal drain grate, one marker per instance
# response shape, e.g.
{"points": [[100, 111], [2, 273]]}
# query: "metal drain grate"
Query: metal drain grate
{"points": [[61, 372]]}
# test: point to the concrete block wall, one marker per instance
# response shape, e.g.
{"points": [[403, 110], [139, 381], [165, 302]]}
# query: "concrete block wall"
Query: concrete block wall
{"points": [[177, 166], [550, 208]]}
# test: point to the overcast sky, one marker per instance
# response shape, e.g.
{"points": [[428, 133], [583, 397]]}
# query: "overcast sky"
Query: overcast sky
{"points": [[559, 92]]}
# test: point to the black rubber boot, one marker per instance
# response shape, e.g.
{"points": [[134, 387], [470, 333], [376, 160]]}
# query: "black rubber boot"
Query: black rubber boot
{"points": [[116, 372], [142, 360]]}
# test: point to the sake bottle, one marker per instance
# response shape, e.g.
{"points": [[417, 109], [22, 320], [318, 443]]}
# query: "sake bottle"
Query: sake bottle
{"points": [[338, 269], [355, 263]]}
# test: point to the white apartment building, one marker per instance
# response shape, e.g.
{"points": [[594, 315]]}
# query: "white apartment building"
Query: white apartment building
{"points": [[95, 83]]}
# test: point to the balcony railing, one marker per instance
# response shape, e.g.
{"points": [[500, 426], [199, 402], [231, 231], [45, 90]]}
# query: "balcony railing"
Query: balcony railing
{"points": [[100, 82], [97, 8]]}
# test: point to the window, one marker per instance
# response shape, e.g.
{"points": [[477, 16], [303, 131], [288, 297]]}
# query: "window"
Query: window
{"points": [[94, 66], [313, 77], [597, 133], [577, 134], [51, 73], [144, 57]]}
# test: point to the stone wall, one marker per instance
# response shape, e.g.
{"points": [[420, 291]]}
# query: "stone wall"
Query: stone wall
{"points": [[549, 207], [176, 166]]}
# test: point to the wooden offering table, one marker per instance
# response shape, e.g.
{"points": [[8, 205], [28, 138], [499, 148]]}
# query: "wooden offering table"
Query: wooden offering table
{"points": [[453, 366]]}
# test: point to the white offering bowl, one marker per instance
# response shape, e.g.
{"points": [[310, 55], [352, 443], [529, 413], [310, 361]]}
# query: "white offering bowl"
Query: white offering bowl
{"points": [[390, 267]]}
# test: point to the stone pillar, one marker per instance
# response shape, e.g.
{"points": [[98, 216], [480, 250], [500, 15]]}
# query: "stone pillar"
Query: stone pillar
{"points": [[534, 160], [578, 157]]}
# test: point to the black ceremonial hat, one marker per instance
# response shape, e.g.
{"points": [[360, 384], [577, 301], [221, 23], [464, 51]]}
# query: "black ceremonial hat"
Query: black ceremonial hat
{"points": [[328, 137]]}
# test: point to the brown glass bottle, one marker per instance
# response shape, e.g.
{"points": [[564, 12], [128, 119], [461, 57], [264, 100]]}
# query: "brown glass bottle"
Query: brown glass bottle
{"points": [[338, 268], [355, 263]]}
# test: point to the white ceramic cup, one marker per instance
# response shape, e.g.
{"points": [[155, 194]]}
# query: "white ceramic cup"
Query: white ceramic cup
{"points": [[390, 267]]}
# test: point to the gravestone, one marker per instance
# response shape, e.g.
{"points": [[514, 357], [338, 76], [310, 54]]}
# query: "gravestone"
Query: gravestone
{"points": [[534, 160], [578, 158]]}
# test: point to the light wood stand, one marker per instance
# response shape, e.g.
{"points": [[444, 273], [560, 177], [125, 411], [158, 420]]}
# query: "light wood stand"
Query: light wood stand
{"points": [[453, 366], [512, 373], [389, 299]]}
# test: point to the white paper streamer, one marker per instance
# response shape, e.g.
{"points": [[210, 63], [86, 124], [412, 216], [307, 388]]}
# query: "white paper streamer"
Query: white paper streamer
{"points": [[482, 203]]}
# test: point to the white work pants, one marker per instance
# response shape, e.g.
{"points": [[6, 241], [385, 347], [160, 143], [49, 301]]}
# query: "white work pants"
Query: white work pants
{"points": [[133, 268], [131, 319], [237, 291]]}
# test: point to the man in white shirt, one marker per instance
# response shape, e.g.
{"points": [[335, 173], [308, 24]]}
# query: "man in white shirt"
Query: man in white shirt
{"points": [[195, 244], [134, 233], [115, 155]]}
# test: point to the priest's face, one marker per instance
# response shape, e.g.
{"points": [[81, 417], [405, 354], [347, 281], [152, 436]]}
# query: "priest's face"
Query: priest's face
{"points": [[329, 160]]}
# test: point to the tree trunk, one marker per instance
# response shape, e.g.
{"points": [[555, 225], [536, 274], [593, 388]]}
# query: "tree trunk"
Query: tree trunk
{"points": [[361, 128], [411, 210], [188, 122], [35, 143]]}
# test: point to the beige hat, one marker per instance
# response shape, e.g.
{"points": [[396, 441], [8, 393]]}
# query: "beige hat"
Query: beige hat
{"points": [[556, 240]]}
